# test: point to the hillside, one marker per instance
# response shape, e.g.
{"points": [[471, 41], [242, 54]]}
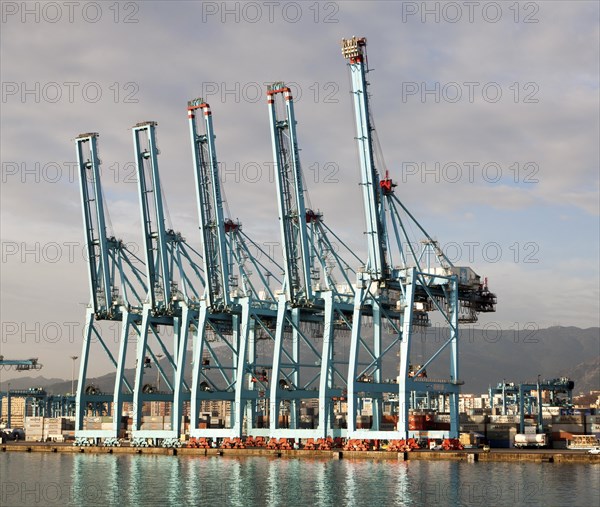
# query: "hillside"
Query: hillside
{"points": [[486, 358]]}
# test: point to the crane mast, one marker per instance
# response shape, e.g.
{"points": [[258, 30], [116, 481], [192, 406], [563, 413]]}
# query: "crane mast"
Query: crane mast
{"points": [[355, 51], [227, 312], [210, 207], [290, 197], [305, 303]]}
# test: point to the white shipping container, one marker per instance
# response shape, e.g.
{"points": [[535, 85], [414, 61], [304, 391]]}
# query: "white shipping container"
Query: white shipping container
{"points": [[504, 419], [550, 411]]}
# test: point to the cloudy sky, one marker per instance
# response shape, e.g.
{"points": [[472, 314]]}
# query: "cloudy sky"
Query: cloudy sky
{"points": [[487, 114]]}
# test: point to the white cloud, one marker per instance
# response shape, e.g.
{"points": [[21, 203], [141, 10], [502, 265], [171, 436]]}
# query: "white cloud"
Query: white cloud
{"points": [[170, 55]]}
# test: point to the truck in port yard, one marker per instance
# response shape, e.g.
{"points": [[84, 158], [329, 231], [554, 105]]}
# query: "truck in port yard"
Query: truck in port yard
{"points": [[531, 440]]}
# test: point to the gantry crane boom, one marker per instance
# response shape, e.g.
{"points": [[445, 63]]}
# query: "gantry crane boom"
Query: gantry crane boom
{"points": [[309, 300], [210, 206], [168, 263], [290, 197], [228, 310], [355, 51], [153, 219], [95, 223]]}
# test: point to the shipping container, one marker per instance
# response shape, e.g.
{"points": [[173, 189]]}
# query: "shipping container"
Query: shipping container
{"points": [[594, 428], [568, 419], [571, 428], [477, 428], [416, 422], [503, 419]]}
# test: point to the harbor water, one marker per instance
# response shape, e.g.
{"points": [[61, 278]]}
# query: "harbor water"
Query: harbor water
{"points": [[32, 479]]}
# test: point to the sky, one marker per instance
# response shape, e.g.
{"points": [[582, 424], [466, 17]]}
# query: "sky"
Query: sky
{"points": [[487, 114]]}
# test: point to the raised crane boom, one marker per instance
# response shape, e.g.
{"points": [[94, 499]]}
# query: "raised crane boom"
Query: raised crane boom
{"points": [[153, 219], [290, 197], [210, 206], [95, 223], [354, 50]]}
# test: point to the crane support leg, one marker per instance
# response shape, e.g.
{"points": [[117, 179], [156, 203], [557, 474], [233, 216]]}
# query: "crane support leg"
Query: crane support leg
{"points": [[80, 407], [404, 391]]}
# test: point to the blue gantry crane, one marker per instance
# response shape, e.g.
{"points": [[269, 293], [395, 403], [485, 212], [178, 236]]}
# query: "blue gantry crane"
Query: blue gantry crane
{"points": [[222, 301], [116, 291], [235, 303], [174, 281], [311, 306], [525, 398], [18, 365], [400, 283]]}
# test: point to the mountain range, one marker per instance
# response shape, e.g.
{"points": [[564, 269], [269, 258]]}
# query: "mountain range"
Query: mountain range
{"points": [[487, 357]]}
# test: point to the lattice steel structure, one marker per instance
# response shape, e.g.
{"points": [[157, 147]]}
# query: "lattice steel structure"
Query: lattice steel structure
{"points": [[399, 285], [116, 291], [262, 352]]}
